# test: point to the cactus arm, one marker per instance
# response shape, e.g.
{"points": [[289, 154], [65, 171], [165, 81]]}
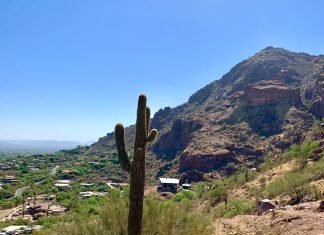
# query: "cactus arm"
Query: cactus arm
{"points": [[151, 137], [121, 147], [141, 131], [147, 118]]}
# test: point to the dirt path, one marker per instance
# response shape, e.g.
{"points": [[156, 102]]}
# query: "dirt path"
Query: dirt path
{"points": [[5, 213]]}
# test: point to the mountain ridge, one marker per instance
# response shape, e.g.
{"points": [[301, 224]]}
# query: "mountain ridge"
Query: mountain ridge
{"points": [[219, 125]]}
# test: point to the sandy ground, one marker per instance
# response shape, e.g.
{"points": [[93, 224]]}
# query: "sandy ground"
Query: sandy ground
{"points": [[5, 213]]}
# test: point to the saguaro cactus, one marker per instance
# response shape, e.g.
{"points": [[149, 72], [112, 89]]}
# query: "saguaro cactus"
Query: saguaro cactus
{"points": [[136, 168]]}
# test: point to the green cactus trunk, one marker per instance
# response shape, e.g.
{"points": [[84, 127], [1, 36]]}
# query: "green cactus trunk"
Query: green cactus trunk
{"points": [[136, 168]]}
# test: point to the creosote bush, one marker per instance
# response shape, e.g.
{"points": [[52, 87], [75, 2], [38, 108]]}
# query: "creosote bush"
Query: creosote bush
{"points": [[159, 218], [233, 207], [296, 183]]}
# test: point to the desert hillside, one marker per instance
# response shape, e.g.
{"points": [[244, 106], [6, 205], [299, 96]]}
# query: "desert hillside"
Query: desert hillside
{"points": [[259, 108]]}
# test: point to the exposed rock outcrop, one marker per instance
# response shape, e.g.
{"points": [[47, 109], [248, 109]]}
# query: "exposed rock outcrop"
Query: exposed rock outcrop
{"points": [[204, 162], [160, 118], [318, 108], [263, 105], [177, 139], [318, 105], [191, 176], [270, 92]]}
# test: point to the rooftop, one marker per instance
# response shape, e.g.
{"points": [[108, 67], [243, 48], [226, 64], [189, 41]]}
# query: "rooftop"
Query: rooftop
{"points": [[169, 181]]}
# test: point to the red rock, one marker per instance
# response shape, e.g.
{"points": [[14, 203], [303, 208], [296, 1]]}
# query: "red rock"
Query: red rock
{"points": [[270, 92], [204, 162]]}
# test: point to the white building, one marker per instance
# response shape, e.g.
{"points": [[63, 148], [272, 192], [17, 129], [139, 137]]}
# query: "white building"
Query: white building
{"points": [[168, 185], [91, 194], [63, 187]]}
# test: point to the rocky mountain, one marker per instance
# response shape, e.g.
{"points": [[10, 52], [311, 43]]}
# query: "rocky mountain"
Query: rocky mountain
{"points": [[260, 107]]}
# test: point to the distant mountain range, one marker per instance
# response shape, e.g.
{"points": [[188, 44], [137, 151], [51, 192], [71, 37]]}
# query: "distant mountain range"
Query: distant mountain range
{"points": [[37, 146]]}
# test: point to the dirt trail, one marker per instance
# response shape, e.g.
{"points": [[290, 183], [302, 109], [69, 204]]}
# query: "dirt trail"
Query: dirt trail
{"points": [[5, 213]]}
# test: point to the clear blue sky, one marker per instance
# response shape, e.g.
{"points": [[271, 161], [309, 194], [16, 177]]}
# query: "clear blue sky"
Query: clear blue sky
{"points": [[71, 69]]}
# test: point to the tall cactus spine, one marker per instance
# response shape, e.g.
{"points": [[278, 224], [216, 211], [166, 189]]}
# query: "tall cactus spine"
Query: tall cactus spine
{"points": [[136, 168]]}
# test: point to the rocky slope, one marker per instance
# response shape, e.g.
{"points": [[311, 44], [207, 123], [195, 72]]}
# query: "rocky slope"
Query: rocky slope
{"points": [[304, 218], [260, 107]]}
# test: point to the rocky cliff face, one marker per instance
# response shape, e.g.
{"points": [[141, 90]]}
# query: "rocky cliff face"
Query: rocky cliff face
{"points": [[263, 105], [270, 92], [318, 104], [177, 138], [260, 107], [204, 162]]}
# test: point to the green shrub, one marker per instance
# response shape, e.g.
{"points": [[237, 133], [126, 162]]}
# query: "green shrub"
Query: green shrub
{"points": [[233, 207], [160, 218], [302, 152], [4, 194], [296, 182], [14, 222], [184, 195]]}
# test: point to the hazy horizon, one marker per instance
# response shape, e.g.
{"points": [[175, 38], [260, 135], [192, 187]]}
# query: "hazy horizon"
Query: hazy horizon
{"points": [[71, 70]]}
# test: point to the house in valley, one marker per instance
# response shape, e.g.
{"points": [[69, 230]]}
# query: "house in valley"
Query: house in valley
{"points": [[168, 185]]}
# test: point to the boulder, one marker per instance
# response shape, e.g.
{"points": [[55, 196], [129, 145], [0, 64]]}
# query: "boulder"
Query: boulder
{"points": [[265, 205], [321, 206]]}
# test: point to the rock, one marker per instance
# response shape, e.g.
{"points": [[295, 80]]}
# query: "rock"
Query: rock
{"points": [[160, 118], [317, 108], [265, 205], [321, 206], [204, 162], [178, 137], [192, 176], [309, 94], [270, 92]]}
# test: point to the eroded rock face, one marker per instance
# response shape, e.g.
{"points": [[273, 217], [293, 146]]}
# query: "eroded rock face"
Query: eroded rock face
{"points": [[318, 108], [263, 105], [204, 162], [318, 105], [160, 117], [178, 137], [270, 92], [192, 176]]}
